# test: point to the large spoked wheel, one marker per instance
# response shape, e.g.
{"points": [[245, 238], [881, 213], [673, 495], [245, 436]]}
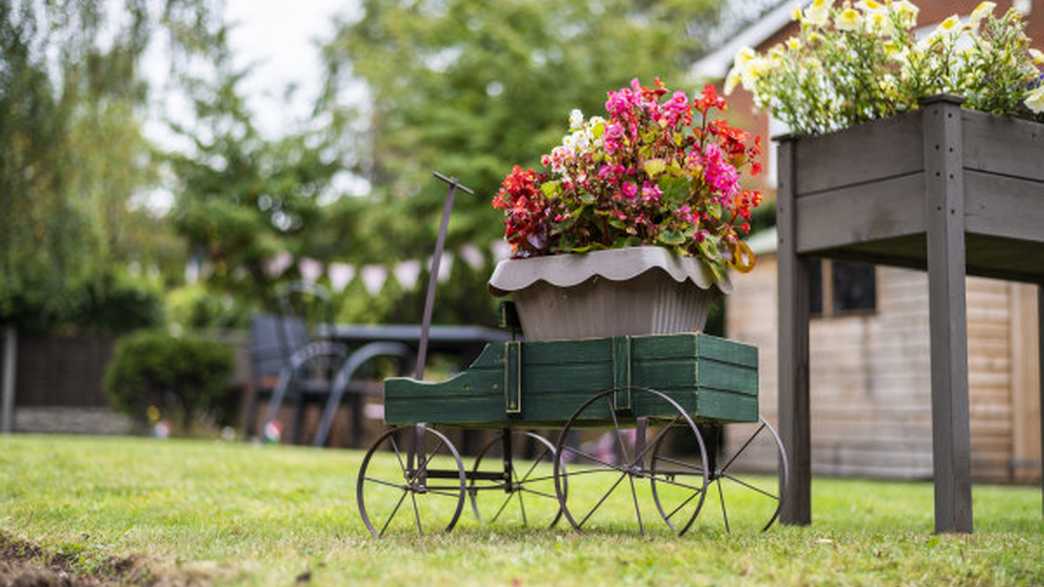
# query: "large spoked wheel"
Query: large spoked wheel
{"points": [[745, 492], [422, 494], [529, 499], [608, 464]]}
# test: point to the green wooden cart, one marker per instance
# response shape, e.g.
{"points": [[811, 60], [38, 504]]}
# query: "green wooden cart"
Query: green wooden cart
{"points": [[651, 410], [639, 408]]}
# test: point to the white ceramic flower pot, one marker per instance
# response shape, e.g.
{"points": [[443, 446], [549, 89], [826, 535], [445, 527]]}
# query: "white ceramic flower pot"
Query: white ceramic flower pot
{"points": [[630, 291]]}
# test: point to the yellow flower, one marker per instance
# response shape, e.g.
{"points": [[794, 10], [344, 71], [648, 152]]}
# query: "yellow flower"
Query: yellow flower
{"points": [[818, 13], [794, 43], [848, 20], [1035, 100], [880, 24], [981, 11], [870, 5], [745, 56], [795, 14], [1037, 55]]}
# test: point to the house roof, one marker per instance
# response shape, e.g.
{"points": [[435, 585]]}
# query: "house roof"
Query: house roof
{"points": [[716, 64]]}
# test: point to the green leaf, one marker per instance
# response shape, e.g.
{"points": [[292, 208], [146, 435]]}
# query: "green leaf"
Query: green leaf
{"points": [[671, 237], [714, 210], [675, 189], [598, 130], [655, 167], [550, 189]]}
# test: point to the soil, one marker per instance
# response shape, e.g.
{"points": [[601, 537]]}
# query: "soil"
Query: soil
{"points": [[24, 564]]}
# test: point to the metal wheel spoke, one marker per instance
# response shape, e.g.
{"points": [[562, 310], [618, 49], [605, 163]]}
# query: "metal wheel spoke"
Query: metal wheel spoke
{"points": [[416, 513], [596, 459], [637, 510], [522, 506], [749, 486], [392, 516], [535, 492], [398, 455], [534, 465], [568, 474], [431, 456], [501, 510], [651, 444], [683, 504], [443, 493], [724, 513], [742, 448], [676, 483], [616, 429], [381, 482], [601, 501], [698, 470]]}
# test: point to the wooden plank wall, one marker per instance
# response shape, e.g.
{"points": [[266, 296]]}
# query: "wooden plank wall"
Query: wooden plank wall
{"points": [[870, 375]]}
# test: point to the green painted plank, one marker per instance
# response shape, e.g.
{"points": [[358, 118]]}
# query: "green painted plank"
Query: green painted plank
{"points": [[567, 378], [730, 407], [563, 352], [674, 346], [663, 374], [621, 349], [727, 351], [726, 376]]}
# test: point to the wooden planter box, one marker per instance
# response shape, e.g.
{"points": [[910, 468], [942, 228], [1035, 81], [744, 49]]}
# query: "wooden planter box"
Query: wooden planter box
{"points": [[868, 191], [945, 189], [544, 383]]}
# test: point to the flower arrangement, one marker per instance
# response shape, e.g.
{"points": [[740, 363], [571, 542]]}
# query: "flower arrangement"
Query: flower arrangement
{"points": [[658, 169], [854, 63]]}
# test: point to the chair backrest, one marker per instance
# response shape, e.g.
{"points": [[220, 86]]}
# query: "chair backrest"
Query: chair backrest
{"points": [[273, 339]]}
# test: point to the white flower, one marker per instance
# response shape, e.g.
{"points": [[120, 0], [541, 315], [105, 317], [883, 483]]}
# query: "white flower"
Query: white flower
{"points": [[907, 13], [950, 26], [1035, 100], [870, 5], [1037, 55], [848, 20], [793, 43], [818, 14], [576, 119], [981, 11], [732, 80]]}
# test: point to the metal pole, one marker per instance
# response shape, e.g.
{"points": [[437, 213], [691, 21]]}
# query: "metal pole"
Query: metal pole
{"points": [[7, 387]]}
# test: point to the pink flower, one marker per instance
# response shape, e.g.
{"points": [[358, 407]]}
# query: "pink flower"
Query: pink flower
{"points": [[721, 175], [651, 192], [614, 134], [630, 190]]}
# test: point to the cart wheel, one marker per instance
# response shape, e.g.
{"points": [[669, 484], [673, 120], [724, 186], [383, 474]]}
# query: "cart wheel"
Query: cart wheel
{"points": [[603, 469], [392, 494], [530, 498], [742, 496]]}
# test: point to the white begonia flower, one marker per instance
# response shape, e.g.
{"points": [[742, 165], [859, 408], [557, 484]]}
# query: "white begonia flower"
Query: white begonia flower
{"points": [[880, 24], [818, 13], [793, 43], [870, 5], [754, 70], [848, 20], [576, 119], [1035, 100], [795, 14], [981, 11], [1037, 55], [732, 80]]}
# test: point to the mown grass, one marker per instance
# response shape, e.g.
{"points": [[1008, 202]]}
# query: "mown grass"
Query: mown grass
{"points": [[241, 514]]}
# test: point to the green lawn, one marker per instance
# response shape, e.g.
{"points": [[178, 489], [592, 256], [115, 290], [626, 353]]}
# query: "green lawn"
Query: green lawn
{"points": [[238, 514]]}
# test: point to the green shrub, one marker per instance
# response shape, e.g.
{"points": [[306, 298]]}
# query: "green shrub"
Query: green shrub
{"points": [[194, 307], [180, 375], [118, 304]]}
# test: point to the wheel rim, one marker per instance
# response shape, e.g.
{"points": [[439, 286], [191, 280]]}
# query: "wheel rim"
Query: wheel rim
{"points": [[747, 493], [593, 465], [390, 498], [532, 501], [678, 503]]}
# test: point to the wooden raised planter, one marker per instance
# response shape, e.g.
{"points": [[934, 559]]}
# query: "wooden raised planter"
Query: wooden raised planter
{"points": [[945, 189]]}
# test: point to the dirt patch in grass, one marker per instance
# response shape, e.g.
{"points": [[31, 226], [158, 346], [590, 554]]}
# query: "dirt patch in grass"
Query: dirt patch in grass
{"points": [[24, 564]]}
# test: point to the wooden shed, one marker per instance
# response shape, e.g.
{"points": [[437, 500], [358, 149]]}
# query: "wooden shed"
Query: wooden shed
{"points": [[870, 375]]}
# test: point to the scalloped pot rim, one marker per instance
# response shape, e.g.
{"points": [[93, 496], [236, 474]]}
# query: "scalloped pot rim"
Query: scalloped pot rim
{"points": [[568, 270]]}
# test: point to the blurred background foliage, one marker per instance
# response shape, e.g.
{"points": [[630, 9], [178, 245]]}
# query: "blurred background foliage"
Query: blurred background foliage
{"points": [[468, 87]]}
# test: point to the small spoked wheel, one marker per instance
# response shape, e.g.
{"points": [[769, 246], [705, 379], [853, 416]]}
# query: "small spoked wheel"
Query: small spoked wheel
{"points": [[411, 479], [608, 465], [528, 498], [744, 492]]}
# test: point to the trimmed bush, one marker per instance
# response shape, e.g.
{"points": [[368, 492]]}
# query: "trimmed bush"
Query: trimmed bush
{"points": [[181, 375]]}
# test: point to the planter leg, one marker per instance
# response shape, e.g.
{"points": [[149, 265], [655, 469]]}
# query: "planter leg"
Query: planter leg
{"points": [[944, 215], [794, 292]]}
